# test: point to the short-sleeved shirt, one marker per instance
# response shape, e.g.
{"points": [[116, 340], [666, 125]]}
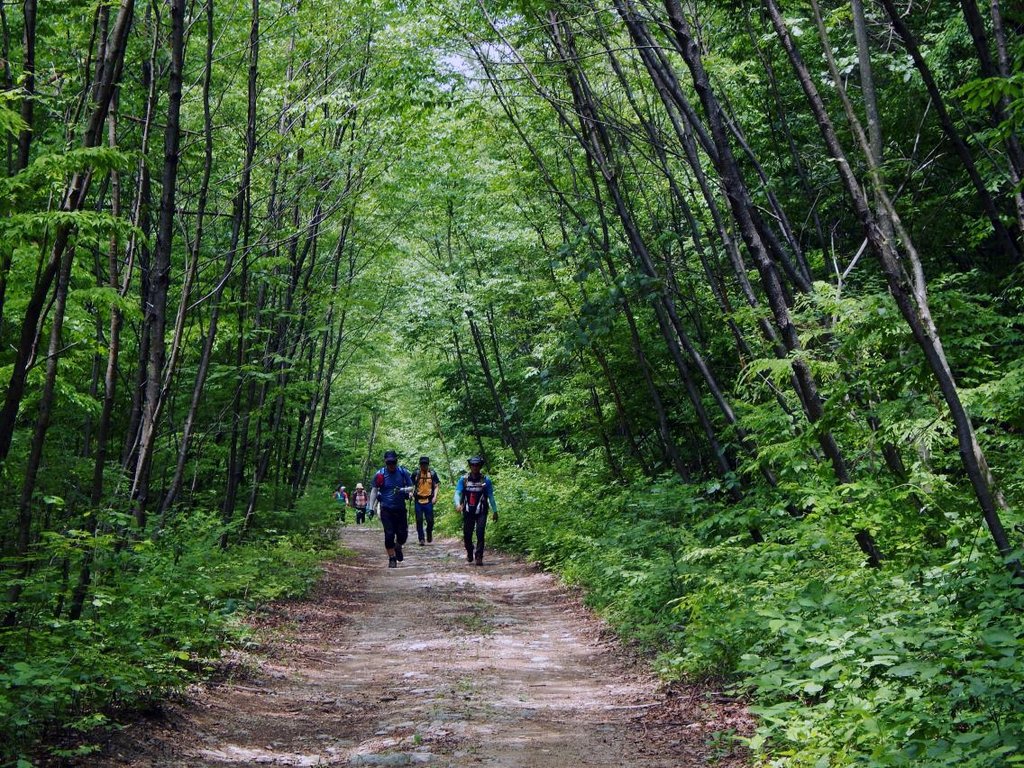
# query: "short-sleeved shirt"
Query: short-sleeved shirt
{"points": [[389, 485], [425, 485]]}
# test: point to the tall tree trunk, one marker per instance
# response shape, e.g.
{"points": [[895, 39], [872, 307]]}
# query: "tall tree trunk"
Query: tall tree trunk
{"points": [[485, 366], [10, 141], [867, 86], [867, 80], [240, 418], [464, 376], [35, 456], [237, 216], [160, 271], [105, 422], [992, 69], [138, 248], [1013, 143], [73, 199], [28, 84]]}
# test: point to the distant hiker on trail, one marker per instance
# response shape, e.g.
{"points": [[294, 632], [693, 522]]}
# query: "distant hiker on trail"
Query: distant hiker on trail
{"points": [[474, 496], [341, 496], [427, 484], [360, 500], [392, 485]]}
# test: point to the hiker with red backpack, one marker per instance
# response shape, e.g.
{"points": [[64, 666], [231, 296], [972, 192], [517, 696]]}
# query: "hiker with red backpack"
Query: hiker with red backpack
{"points": [[474, 497], [392, 485], [426, 484]]}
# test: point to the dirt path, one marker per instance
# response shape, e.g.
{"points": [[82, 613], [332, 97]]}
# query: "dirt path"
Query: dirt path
{"points": [[436, 663]]}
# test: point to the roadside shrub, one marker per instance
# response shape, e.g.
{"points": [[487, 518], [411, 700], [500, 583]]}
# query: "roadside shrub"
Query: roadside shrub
{"points": [[158, 614], [915, 664]]}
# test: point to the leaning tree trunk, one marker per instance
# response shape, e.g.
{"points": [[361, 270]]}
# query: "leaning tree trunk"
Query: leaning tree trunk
{"points": [[1006, 240], [905, 277]]}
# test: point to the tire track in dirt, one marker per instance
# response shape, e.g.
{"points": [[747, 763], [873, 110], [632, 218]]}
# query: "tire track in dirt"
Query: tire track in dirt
{"points": [[436, 663]]}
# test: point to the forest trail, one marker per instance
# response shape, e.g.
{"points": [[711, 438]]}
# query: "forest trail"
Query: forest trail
{"points": [[437, 663]]}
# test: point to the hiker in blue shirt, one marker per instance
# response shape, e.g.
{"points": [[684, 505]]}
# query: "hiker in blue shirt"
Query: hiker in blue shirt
{"points": [[392, 485], [474, 497]]}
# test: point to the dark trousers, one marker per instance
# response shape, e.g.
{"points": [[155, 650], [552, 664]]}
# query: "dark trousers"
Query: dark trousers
{"points": [[425, 512], [396, 527], [471, 520], [360, 515]]}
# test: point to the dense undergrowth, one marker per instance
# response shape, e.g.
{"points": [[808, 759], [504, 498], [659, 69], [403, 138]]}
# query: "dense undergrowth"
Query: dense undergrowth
{"points": [[914, 664], [160, 613]]}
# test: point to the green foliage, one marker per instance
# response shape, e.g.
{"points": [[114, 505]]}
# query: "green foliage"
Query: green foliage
{"points": [[10, 120], [883, 670], [998, 92], [140, 637], [392, 199], [916, 665]]}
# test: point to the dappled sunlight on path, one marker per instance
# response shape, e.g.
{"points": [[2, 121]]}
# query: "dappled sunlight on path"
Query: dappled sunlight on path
{"points": [[436, 663]]}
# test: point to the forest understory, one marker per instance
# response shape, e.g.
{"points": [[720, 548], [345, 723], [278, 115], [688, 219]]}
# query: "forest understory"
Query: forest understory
{"points": [[728, 295]]}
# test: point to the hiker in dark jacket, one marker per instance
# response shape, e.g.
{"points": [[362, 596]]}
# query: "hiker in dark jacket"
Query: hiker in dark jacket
{"points": [[392, 485], [474, 497]]}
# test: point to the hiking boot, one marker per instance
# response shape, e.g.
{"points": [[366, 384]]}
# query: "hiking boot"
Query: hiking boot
{"points": [[398, 554], [430, 537], [421, 542], [479, 559], [392, 562], [469, 557]]}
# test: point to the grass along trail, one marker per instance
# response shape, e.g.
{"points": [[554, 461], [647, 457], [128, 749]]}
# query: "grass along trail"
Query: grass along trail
{"points": [[436, 663]]}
